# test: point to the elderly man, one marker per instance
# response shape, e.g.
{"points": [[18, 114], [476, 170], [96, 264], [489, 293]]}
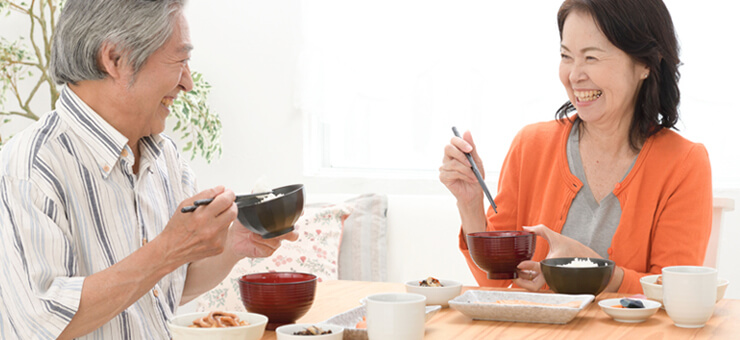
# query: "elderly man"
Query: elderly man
{"points": [[93, 241]]}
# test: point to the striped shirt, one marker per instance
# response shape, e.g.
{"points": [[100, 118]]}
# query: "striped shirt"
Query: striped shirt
{"points": [[71, 206]]}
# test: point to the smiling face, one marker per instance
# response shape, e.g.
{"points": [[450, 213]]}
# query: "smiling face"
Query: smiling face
{"points": [[602, 81], [164, 74]]}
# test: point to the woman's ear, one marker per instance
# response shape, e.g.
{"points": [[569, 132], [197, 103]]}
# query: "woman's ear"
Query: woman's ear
{"points": [[110, 61]]}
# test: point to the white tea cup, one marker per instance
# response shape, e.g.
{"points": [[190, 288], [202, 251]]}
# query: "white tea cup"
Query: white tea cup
{"points": [[396, 316], [689, 294]]}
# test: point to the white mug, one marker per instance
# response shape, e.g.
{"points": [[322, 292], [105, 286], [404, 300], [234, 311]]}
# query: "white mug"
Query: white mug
{"points": [[396, 316], [689, 294]]}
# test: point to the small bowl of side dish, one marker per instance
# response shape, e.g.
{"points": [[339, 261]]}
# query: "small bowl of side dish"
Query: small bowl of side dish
{"points": [[577, 275], [181, 330], [614, 309], [654, 291], [499, 252], [436, 295], [304, 330]]}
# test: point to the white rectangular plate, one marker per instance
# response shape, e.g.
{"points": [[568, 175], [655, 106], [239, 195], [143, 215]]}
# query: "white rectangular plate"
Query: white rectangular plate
{"points": [[481, 305]]}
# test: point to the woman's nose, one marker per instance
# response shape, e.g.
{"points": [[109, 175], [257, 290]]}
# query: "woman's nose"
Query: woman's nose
{"points": [[577, 73]]}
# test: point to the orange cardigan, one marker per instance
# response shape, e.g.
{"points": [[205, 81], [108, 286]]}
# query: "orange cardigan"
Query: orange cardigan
{"points": [[666, 200]]}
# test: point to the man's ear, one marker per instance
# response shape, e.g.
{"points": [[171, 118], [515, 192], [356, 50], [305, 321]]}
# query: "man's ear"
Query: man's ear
{"points": [[110, 60]]}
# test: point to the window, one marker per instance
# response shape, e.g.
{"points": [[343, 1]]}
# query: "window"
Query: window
{"points": [[382, 82]]}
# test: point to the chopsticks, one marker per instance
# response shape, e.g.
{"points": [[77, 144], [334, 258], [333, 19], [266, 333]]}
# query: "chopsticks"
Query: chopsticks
{"points": [[196, 204], [206, 201], [477, 174]]}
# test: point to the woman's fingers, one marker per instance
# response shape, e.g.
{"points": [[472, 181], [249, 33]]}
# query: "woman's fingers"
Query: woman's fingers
{"points": [[474, 152], [529, 276], [544, 232]]}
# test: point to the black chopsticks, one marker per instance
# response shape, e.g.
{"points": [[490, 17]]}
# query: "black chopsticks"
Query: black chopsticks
{"points": [[477, 174], [205, 201]]}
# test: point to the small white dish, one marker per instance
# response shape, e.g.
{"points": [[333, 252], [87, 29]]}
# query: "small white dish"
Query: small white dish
{"points": [[254, 331], [287, 332], [436, 295], [520, 306], [629, 315]]}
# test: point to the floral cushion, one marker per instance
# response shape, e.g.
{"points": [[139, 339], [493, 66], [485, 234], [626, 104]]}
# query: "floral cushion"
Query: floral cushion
{"points": [[316, 251]]}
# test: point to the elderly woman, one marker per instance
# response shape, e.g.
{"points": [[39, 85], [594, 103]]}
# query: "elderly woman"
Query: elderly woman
{"points": [[613, 180], [93, 241]]}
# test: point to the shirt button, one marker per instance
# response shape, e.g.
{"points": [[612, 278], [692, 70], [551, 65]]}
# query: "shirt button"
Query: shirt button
{"points": [[124, 153], [144, 242], [156, 293], [609, 251], [106, 168]]}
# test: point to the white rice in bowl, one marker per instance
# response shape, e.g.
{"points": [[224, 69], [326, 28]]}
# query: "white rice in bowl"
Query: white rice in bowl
{"points": [[580, 263]]}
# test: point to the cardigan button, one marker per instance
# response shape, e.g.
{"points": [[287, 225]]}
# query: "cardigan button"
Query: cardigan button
{"points": [[609, 251]]}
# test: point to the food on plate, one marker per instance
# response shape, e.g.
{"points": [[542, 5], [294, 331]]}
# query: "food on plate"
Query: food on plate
{"points": [[578, 263], [659, 281], [313, 330], [569, 304], [362, 324], [629, 303], [218, 319], [430, 282]]}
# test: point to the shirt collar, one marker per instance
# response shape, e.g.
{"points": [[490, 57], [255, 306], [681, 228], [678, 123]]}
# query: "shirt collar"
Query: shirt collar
{"points": [[103, 140]]}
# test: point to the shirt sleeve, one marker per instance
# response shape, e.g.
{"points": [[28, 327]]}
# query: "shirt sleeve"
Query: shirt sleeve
{"points": [[684, 221], [38, 288]]}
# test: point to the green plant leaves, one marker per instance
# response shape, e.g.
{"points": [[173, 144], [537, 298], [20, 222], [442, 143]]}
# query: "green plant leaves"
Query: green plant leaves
{"points": [[195, 121]]}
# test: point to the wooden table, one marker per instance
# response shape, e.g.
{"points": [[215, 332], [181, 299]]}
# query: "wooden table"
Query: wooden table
{"points": [[334, 297]]}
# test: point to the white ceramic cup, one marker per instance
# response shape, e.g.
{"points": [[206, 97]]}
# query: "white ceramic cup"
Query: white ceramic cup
{"points": [[689, 294], [396, 316]]}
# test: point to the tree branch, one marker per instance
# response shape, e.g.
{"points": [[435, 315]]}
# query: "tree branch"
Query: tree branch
{"points": [[52, 10], [23, 63], [22, 10], [44, 34], [16, 113], [35, 88]]}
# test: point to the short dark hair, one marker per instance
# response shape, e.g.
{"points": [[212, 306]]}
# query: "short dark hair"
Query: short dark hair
{"points": [[644, 30]]}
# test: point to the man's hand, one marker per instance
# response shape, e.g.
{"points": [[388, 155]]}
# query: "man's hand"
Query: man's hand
{"points": [[202, 233], [245, 243]]}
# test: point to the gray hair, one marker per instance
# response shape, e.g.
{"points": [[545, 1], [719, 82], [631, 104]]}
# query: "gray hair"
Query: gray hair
{"points": [[136, 27]]}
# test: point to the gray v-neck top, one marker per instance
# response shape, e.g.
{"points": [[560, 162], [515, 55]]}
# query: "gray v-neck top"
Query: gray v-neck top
{"points": [[590, 222]]}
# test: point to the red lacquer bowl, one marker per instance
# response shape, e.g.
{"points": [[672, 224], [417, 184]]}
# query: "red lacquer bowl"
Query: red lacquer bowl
{"points": [[282, 297], [499, 252]]}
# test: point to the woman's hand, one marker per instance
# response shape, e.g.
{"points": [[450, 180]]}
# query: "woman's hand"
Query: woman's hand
{"points": [[561, 246], [456, 173], [530, 276]]}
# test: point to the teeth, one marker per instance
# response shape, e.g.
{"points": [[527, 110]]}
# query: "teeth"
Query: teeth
{"points": [[167, 101], [587, 96]]}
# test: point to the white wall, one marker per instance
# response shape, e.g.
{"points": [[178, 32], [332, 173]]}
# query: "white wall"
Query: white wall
{"points": [[248, 50], [253, 69]]}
